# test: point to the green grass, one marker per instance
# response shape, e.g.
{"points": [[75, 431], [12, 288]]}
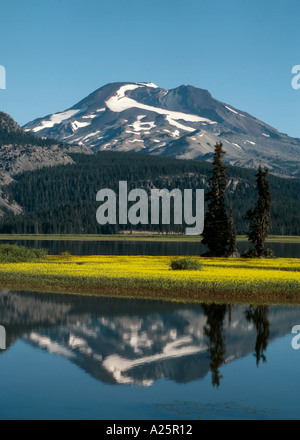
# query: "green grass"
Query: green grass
{"points": [[20, 254], [121, 237]]}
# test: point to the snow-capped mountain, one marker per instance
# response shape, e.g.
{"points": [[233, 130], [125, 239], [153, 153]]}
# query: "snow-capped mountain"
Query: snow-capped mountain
{"points": [[185, 123]]}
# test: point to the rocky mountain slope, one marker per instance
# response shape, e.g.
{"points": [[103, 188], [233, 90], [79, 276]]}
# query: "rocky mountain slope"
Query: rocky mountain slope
{"points": [[21, 151], [185, 123]]}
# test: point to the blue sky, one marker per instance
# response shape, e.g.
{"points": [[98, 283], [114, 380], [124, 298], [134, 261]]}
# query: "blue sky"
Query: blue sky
{"points": [[58, 51]]}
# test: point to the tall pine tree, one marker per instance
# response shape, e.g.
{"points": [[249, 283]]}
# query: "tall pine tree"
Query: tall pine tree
{"points": [[260, 216], [232, 250], [216, 227]]}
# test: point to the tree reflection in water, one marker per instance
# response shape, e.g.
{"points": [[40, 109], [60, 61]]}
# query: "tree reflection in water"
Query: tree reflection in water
{"points": [[140, 342], [214, 330], [259, 316]]}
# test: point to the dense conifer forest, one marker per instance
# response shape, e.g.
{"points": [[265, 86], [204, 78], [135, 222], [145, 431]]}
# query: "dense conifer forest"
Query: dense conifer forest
{"points": [[62, 199]]}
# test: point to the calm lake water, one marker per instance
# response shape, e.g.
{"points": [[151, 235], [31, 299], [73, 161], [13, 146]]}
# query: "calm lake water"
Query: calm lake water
{"points": [[283, 250], [72, 357]]}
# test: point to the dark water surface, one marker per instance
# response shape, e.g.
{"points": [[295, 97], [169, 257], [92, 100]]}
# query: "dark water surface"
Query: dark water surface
{"points": [[282, 250], [94, 358]]}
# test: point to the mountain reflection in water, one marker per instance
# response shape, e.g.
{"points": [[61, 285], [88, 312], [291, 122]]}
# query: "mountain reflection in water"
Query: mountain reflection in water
{"points": [[137, 342]]}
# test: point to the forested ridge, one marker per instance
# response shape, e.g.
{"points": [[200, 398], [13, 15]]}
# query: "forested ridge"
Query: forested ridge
{"points": [[62, 199], [12, 133]]}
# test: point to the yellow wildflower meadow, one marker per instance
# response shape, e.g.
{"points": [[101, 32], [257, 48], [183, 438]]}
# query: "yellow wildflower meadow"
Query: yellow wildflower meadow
{"points": [[234, 278]]}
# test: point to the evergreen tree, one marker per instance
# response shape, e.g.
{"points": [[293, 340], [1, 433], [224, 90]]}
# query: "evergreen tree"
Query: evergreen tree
{"points": [[232, 251], [216, 227], [260, 217]]}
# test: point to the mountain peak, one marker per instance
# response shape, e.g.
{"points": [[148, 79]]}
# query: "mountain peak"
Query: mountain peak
{"points": [[185, 122]]}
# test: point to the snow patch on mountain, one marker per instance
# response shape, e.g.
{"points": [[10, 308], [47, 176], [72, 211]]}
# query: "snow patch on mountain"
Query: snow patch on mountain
{"points": [[119, 103], [56, 119], [90, 116], [95, 133], [235, 112], [237, 146], [178, 125], [76, 125], [140, 126], [150, 84], [231, 110]]}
